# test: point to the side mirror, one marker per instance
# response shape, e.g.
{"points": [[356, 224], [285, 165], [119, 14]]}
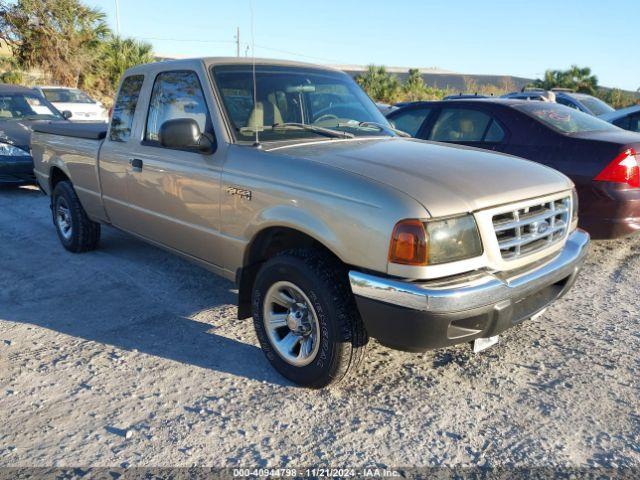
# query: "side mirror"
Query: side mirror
{"points": [[184, 133], [67, 114]]}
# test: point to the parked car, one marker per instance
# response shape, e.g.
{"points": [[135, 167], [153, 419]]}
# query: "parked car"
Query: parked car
{"points": [[333, 227], [579, 101], [464, 96], [583, 102], [20, 109], [599, 157], [626, 118], [83, 108], [532, 94], [385, 107]]}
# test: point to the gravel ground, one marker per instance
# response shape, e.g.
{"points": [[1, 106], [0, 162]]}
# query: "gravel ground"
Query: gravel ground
{"points": [[130, 356]]}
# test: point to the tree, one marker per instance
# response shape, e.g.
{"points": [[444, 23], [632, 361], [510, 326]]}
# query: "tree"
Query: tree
{"points": [[380, 85], [61, 37], [414, 88], [118, 54], [575, 78]]}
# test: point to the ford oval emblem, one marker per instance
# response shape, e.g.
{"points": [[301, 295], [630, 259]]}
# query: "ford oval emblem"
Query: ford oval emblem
{"points": [[540, 228]]}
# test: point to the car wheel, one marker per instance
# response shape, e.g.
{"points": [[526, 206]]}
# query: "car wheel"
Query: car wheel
{"points": [[76, 231], [306, 318]]}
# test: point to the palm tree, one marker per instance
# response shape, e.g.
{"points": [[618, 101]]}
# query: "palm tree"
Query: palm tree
{"points": [[575, 78], [118, 54]]}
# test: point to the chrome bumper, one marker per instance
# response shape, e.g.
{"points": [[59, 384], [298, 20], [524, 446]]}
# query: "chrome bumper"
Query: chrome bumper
{"points": [[476, 290]]}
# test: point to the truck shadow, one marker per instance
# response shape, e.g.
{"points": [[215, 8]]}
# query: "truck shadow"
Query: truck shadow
{"points": [[126, 295]]}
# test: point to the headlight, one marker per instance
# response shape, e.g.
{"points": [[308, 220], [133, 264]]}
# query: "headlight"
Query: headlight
{"points": [[435, 241], [12, 151], [574, 210]]}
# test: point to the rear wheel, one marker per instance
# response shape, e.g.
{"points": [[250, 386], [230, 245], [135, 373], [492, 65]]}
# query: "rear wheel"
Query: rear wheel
{"points": [[76, 231], [306, 318]]}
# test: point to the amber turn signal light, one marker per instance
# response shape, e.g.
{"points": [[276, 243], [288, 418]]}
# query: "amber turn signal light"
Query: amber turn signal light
{"points": [[409, 243]]}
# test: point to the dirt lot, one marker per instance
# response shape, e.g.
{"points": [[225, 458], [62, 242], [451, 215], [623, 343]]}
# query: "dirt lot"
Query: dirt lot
{"points": [[131, 356]]}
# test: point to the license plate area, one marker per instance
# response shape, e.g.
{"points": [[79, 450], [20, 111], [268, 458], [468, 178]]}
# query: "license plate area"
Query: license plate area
{"points": [[480, 344]]}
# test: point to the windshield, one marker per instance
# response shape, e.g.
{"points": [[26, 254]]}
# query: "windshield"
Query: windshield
{"points": [[66, 95], [565, 119], [21, 106], [288, 95], [597, 106]]}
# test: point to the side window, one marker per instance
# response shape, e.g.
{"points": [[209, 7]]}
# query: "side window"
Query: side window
{"points": [[634, 123], [494, 134], [176, 95], [566, 102], [411, 120], [465, 125], [124, 108], [623, 122]]}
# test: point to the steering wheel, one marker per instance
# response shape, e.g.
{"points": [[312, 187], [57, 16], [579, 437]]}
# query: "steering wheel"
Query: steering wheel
{"points": [[326, 116]]}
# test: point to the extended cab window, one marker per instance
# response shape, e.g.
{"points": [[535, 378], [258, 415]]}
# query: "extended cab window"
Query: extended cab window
{"points": [[124, 108], [465, 125], [176, 95], [410, 121]]}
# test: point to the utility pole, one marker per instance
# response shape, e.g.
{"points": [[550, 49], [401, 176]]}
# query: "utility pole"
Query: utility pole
{"points": [[117, 18], [237, 41]]}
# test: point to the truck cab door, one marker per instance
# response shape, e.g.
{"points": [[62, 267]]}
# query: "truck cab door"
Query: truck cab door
{"points": [[114, 155], [174, 193]]}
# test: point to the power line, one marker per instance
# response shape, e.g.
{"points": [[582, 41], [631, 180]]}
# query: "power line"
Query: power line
{"points": [[238, 44], [186, 40]]}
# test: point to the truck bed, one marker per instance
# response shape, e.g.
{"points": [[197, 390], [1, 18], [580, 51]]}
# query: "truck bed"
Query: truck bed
{"points": [[91, 131], [74, 148]]}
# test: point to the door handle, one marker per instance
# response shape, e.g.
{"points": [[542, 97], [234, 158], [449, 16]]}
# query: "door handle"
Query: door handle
{"points": [[136, 164]]}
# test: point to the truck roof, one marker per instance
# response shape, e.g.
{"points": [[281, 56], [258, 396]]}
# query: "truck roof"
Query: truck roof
{"points": [[212, 61]]}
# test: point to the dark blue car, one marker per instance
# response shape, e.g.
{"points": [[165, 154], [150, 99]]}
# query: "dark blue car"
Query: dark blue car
{"points": [[20, 108]]}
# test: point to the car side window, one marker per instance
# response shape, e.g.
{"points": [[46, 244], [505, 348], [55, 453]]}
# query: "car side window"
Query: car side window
{"points": [[125, 108], [634, 123], [566, 102], [494, 134], [410, 120], [465, 125], [176, 94], [623, 122]]}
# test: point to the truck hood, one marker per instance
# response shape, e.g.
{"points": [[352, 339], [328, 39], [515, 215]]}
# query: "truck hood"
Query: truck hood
{"points": [[446, 179]]}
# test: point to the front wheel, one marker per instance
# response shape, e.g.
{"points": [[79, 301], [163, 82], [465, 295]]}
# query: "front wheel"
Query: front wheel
{"points": [[76, 231], [306, 318]]}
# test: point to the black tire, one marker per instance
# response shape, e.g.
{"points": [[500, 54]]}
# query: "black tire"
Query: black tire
{"points": [[83, 234], [342, 336]]}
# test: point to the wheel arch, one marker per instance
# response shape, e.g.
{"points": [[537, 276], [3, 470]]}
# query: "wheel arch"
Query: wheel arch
{"points": [[56, 175], [265, 244]]}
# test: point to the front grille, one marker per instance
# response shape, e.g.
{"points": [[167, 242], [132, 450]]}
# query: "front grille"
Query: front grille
{"points": [[530, 229]]}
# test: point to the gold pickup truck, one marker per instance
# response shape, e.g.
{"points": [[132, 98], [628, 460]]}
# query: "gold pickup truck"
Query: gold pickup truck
{"points": [[285, 178]]}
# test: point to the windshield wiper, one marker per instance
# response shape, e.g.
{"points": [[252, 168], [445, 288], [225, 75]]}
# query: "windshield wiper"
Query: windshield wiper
{"points": [[384, 128], [327, 132]]}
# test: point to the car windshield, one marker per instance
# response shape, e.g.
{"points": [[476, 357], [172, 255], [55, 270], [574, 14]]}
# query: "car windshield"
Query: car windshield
{"points": [[565, 119], [66, 95], [597, 106], [290, 96], [21, 106]]}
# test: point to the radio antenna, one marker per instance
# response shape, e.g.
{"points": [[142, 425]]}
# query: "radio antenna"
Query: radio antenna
{"points": [[253, 72]]}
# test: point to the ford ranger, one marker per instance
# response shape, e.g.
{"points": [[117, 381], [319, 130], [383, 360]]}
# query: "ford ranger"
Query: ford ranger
{"points": [[285, 178]]}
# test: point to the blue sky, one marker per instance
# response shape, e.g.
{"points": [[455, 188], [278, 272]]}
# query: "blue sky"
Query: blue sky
{"points": [[488, 36]]}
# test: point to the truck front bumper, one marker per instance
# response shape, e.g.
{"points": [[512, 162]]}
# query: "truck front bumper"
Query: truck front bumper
{"points": [[419, 316]]}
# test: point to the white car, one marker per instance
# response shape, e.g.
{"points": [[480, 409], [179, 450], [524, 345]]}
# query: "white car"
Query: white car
{"points": [[83, 108]]}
